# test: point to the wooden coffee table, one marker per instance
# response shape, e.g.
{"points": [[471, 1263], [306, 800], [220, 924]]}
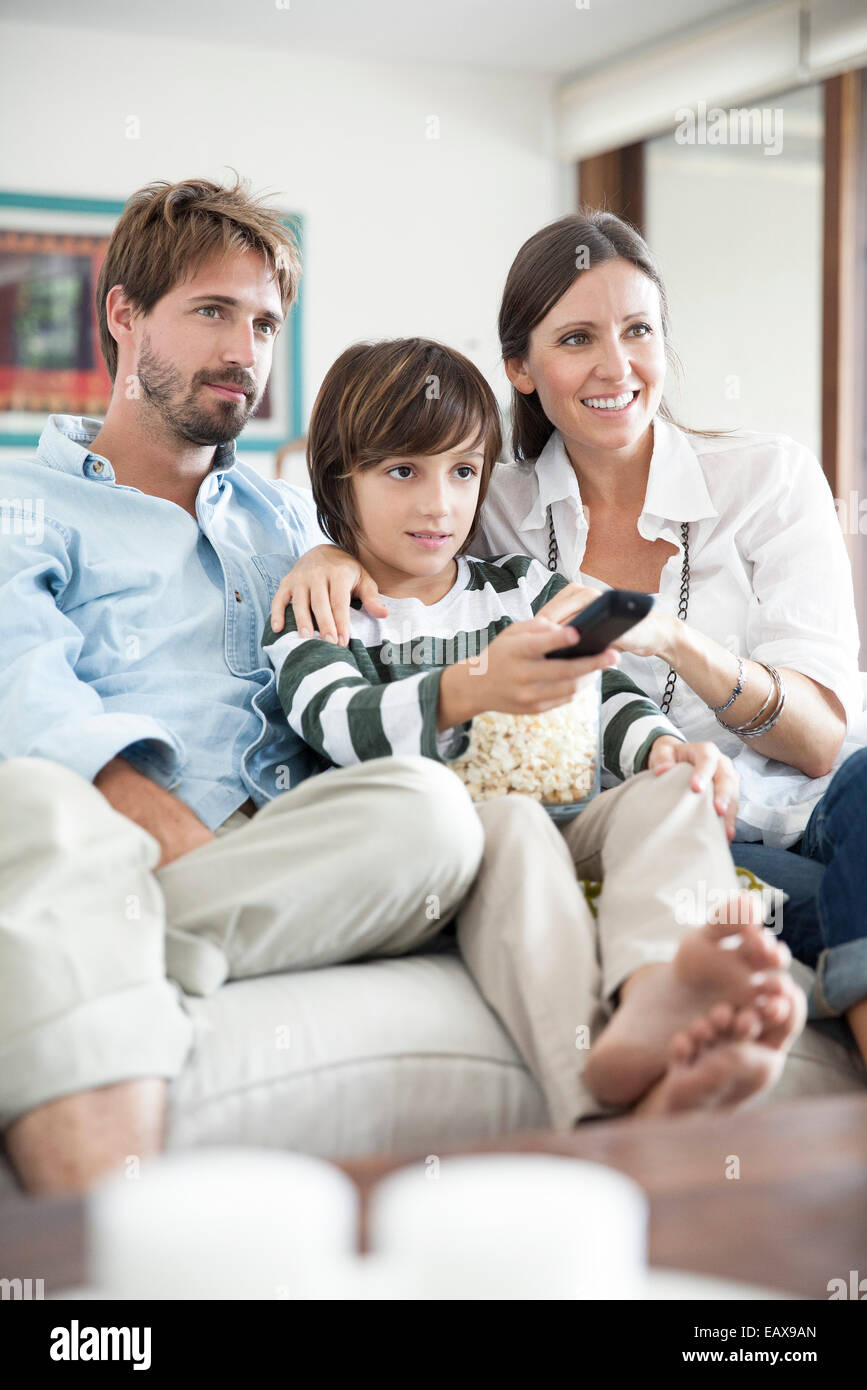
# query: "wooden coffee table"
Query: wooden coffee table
{"points": [[795, 1218]]}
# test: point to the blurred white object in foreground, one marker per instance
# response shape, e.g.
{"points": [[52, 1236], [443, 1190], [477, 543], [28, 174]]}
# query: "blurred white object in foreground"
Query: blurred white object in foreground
{"points": [[223, 1223], [512, 1226]]}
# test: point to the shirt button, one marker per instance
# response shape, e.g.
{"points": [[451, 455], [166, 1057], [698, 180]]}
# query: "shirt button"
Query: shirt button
{"points": [[98, 467], [237, 596]]}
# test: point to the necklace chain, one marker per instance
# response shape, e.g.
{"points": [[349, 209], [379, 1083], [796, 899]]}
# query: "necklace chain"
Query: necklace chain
{"points": [[682, 607]]}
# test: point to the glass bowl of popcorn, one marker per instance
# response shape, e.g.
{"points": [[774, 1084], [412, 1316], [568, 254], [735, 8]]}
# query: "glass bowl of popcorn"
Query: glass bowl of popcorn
{"points": [[553, 757]]}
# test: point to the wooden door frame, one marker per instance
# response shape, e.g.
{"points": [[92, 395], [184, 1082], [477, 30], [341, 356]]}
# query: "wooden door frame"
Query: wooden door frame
{"points": [[615, 181], [842, 282]]}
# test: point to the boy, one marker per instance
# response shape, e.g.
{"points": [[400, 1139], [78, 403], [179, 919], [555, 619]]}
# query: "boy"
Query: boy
{"points": [[403, 438]]}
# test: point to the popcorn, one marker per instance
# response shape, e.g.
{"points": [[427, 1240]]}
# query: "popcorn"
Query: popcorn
{"points": [[550, 756]]}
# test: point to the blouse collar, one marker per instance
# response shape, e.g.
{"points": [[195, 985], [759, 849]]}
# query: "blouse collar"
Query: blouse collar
{"points": [[676, 487]]}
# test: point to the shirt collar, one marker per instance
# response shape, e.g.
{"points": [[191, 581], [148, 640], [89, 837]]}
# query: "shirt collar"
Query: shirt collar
{"points": [[676, 488], [555, 480], [63, 444]]}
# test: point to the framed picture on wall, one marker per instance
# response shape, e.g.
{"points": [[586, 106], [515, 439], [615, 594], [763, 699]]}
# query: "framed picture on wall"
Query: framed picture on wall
{"points": [[51, 249]]}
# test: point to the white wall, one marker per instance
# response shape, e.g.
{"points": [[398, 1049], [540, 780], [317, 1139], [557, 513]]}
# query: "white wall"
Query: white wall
{"points": [[403, 234]]}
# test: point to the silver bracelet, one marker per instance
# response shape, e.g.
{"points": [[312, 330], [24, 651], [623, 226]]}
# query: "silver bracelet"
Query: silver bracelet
{"points": [[739, 728], [718, 709], [769, 723], [772, 718]]}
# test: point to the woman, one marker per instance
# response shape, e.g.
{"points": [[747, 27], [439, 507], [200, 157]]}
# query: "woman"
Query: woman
{"points": [[753, 642]]}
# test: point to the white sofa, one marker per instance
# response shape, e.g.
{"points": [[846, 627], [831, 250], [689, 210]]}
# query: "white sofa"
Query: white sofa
{"points": [[391, 1054], [396, 1054], [387, 1055]]}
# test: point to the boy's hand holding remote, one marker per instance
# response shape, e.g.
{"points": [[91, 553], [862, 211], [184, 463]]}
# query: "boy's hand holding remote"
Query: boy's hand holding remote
{"points": [[513, 674]]}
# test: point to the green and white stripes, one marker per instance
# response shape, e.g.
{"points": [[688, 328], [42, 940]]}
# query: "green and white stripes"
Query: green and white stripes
{"points": [[379, 695]]}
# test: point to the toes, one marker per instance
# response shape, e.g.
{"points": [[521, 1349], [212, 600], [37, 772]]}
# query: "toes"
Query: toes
{"points": [[738, 1025], [682, 1048], [762, 949], [776, 1009], [702, 1032], [721, 1017], [777, 950], [737, 911], [768, 985], [731, 915], [747, 1024], [783, 1015], [743, 914]]}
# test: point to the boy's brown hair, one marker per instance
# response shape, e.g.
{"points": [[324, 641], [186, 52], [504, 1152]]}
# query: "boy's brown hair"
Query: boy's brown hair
{"points": [[406, 397], [167, 230]]}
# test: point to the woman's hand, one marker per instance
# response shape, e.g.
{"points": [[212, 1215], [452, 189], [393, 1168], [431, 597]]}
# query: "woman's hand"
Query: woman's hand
{"points": [[653, 636], [710, 765], [569, 601], [323, 581]]}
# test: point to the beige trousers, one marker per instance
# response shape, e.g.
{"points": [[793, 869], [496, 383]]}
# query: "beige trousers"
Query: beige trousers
{"points": [[371, 860], [545, 965]]}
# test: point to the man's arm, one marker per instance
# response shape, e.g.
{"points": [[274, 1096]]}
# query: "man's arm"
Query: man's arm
{"points": [[171, 822], [46, 711]]}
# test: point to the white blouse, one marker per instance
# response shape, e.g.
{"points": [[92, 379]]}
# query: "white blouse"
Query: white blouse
{"points": [[770, 579]]}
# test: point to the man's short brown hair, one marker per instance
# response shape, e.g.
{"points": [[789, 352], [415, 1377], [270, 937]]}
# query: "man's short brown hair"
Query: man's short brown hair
{"points": [[407, 397], [168, 230]]}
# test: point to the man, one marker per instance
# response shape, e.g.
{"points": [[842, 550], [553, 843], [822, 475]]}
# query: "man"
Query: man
{"points": [[157, 818]]}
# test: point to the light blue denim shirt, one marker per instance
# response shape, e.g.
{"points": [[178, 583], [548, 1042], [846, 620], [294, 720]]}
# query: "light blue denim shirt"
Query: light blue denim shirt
{"points": [[127, 627]]}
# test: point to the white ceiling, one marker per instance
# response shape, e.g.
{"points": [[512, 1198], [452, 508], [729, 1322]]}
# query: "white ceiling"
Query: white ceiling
{"points": [[555, 37]]}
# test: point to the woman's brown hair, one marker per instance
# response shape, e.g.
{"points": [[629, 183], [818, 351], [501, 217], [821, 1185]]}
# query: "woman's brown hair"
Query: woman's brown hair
{"points": [[406, 397], [167, 230], [541, 273]]}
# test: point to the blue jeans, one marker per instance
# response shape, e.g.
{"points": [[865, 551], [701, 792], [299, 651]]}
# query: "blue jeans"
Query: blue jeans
{"points": [[825, 875]]}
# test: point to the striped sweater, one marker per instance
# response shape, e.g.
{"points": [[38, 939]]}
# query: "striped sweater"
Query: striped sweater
{"points": [[379, 695]]}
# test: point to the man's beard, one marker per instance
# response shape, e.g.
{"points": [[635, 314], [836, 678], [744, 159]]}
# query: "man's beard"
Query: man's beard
{"points": [[190, 417]]}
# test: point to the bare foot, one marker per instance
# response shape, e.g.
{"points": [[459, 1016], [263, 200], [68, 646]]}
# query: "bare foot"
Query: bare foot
{"points": [[733, 959], [726, 1057]]}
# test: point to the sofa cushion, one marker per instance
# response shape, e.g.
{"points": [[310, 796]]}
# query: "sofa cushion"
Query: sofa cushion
{"points": [[387, 1054], [359, 1058]]}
